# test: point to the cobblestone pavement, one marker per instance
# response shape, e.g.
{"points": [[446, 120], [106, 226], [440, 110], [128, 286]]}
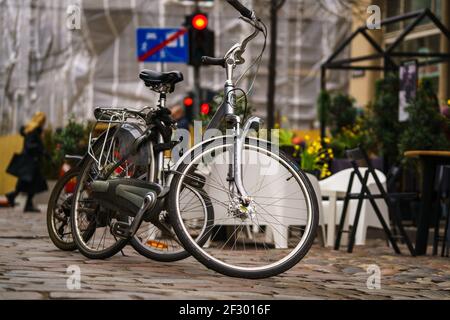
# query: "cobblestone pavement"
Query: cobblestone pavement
{"points": [[32, 268]]}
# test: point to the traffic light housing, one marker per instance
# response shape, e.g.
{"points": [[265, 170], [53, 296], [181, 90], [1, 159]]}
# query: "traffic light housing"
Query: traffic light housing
{"points": [[188, 103], [201, 39]]}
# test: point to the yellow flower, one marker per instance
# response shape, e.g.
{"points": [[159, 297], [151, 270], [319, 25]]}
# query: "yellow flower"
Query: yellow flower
{"points": [[297, 147], [327, 140], [307, 138]]}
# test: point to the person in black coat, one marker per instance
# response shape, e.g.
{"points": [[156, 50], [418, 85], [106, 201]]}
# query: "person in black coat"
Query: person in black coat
{"points": [[27, 165]]}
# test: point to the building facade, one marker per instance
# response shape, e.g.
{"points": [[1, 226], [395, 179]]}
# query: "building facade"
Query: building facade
{"points": [[46, 65], [425, 38]]}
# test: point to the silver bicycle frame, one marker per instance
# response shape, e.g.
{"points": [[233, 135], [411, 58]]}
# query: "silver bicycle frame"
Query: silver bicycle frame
{"points": [[226, 111]]}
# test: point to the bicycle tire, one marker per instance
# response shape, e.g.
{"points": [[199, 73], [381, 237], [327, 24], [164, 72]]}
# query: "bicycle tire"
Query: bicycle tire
{"points": [[209, 261]]}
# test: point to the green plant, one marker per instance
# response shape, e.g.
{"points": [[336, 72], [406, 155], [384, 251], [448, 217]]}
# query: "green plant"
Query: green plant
{"points": [[49, 167], [341, 112], [323, 104], [425, 127], [284, 136], [351, 137], [72, 139], [315, 156], [383, 118]]}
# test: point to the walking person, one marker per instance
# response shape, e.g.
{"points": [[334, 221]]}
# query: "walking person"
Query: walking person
{"points": [[26, 166]]}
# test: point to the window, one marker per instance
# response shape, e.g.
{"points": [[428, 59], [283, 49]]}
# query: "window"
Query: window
{"points": [[398, 7], [393, 9], [429, 44], [415, 5]]}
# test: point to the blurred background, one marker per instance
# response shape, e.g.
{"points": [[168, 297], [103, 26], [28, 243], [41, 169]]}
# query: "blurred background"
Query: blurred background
{"points": [[66, 57]]}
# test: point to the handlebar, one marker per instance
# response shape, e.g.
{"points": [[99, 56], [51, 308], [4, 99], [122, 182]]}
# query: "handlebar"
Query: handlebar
{"points": [[237, 50], [245, 12], [210, 61]]}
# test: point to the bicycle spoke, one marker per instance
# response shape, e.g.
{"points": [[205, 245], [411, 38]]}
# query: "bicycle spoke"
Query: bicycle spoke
{"points": [[274, 225]]}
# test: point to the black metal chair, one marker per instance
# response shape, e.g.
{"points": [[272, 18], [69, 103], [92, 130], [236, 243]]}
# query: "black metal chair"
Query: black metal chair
{"points": [[392, 199], [442, 187]]}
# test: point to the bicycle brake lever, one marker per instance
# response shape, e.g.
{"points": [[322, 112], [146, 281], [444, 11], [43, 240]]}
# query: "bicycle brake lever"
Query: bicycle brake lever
{"points": [[254, 23]]}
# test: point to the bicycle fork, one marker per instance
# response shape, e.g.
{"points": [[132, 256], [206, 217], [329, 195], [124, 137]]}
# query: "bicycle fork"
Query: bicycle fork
{"points": [[253, 123]]}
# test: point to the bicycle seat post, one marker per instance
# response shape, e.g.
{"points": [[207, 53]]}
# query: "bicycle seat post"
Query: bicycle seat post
{"points": [[162, 99]]}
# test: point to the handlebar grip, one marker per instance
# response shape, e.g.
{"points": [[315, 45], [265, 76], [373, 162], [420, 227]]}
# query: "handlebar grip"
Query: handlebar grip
{"points": [[245, 12], [210, 61]]}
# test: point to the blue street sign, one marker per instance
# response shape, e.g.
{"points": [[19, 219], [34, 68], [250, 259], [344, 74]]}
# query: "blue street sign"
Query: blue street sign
{"points": [[162, 45]]}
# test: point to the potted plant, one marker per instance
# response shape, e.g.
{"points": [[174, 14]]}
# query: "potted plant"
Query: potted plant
{"points": [[342, 112], [315, 158], [347, 125], [351, 137], [72, 139], [384, 120], [426, 126]]}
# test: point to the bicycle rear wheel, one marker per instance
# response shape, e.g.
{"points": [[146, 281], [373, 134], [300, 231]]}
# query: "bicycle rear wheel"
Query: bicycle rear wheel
{"points": [[58, 211], [163, 245], [93, 222], [90, 218], [264, 239]]}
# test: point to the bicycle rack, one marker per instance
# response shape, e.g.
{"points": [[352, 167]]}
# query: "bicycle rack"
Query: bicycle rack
{"points": [[115, 118]]}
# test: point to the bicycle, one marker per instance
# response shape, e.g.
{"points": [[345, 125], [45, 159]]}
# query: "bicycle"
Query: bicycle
{"points": [[278, 223], [61, 199], [59, 207]]}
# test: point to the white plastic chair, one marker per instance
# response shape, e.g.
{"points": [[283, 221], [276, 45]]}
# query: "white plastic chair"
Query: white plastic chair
{"points": [[338, 184]]}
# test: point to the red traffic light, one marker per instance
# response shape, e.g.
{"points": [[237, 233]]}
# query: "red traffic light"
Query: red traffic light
{"points": [[204, 109], [200, 22], [188, 102]]}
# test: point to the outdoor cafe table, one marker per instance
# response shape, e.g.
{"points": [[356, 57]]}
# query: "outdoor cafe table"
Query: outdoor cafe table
{"points": [[430, 160]]}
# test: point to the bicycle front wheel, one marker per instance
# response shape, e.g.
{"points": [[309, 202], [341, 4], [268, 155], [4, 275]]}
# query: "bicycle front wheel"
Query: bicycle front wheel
{"points": [[260, 240]]}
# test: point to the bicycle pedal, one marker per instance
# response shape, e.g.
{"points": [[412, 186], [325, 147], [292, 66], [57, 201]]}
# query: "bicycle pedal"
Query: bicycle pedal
{"points": [[121, 229]]}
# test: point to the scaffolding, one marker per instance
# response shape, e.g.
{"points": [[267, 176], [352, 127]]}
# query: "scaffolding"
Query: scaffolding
{"points": [[46, 66]]}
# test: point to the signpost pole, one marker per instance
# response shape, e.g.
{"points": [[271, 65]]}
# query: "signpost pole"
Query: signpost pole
{"points": [[197, 80]]}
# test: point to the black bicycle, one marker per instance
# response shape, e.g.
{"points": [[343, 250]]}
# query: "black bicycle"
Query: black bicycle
{"points": [[148, 241]]}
